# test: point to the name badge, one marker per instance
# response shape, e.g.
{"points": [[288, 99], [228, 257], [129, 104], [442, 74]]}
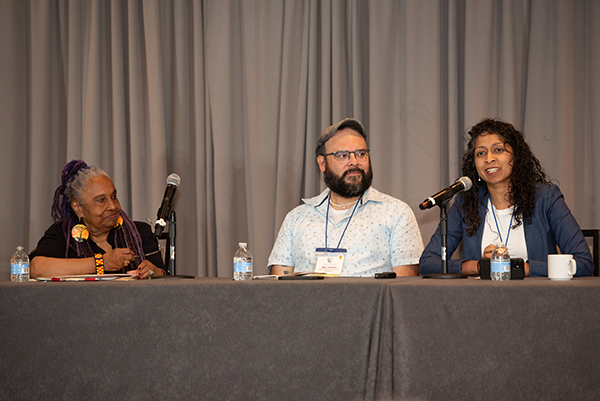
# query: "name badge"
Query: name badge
{"points": [[330, 260]]}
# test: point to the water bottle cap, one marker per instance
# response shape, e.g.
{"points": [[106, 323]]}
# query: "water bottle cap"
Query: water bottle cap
{"points": [[242, 245], [20, 248]]}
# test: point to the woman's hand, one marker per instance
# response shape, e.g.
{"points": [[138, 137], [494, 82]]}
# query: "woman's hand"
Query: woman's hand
{"points": [[469, 267], [487, 252], [146, 270], [118, 259]]}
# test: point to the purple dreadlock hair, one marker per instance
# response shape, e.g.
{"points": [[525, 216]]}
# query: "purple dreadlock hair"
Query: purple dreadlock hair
{"points": [[74, 179]]}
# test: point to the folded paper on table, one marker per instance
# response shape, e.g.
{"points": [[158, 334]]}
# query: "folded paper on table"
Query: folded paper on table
{"points": [[88, 277]]}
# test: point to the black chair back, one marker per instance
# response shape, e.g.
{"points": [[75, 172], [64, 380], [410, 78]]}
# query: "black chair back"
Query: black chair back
{"points": [[595, 236]]}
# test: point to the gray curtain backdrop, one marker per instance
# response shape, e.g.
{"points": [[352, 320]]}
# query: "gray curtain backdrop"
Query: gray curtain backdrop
{"points": [[232, 95]]}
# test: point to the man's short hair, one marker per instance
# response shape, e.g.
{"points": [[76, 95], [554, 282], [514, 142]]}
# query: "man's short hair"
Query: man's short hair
{"points": [[331, 130]]}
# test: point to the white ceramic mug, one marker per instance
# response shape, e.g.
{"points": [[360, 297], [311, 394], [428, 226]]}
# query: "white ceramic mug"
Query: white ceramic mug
{"points": [[561, 267]]}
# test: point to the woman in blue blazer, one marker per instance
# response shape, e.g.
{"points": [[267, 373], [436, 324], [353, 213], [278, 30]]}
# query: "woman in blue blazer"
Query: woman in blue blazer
{"points": [[512, 201]]}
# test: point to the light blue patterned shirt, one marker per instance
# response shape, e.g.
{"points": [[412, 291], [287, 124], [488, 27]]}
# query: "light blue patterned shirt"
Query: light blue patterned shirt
{"points": [[383, 233]]}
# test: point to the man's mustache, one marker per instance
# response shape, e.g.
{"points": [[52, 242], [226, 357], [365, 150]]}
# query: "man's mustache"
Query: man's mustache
{"points": [[354, 170]]}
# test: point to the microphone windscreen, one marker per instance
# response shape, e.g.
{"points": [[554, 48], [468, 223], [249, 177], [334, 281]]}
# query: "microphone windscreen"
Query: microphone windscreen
{"points": [[174, 179], [466, 181]]}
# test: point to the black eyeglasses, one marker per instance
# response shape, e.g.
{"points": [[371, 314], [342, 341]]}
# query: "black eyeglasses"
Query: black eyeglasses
{"points": [[344, 155]]}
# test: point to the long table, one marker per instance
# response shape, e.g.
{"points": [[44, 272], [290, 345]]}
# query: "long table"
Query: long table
{"points": [[332, 339]]}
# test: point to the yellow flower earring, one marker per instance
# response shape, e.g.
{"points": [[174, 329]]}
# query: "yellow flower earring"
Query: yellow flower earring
{"points": [[117, 227], [80, 232]]}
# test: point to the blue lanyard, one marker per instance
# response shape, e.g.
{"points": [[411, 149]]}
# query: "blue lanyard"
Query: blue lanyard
{"points": [[498, 228], [327, 220]]}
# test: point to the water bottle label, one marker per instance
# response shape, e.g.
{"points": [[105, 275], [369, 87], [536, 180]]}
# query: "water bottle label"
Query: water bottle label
{"points": [[242, 267], [500, 267], [21, 268]]}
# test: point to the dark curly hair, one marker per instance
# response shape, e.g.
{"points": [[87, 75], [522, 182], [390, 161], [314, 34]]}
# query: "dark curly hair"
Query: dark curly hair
{"points": [[526, 172]]}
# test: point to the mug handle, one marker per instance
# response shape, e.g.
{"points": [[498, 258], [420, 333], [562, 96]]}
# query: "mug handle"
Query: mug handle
{"points": [[571, 272]]}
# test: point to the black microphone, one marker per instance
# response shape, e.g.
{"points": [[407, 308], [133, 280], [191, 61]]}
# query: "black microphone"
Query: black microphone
{"points": [[173, 181], [462, 184]]}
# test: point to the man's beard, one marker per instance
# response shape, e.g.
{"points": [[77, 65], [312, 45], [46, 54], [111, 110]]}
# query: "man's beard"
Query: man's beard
{"points": [[345, 189]]}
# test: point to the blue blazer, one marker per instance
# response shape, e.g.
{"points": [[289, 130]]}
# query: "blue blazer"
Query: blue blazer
{"points": [[552, 224]]}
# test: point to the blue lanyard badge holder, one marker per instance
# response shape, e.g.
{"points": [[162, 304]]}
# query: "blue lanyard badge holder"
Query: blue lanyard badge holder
{"points": [[330, 261]]}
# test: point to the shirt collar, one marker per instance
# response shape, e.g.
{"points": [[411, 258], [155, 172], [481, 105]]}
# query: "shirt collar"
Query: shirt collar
{"points": [[370, 194]]}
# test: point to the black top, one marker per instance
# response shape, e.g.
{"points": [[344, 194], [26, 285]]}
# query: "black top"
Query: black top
{"points": [[53, 245]]}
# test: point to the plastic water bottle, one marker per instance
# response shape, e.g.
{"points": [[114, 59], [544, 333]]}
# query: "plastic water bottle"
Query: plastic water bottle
{"points": [[242, 263], [19, 266], [500, 263]]}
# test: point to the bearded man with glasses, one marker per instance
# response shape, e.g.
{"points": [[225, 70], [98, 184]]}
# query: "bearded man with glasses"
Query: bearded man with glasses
{"points": [[350, 229]]}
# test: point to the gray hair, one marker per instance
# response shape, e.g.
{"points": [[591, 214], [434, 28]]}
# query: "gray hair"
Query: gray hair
{"points": [[77, 187]]}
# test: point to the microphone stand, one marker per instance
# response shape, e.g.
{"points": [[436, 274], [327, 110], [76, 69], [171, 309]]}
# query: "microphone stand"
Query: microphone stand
{"points": [[170, 237], [444, 243], [171, 242]]}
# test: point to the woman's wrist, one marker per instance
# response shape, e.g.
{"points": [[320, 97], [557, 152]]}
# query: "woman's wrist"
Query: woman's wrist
{"points": [[158, 271]]}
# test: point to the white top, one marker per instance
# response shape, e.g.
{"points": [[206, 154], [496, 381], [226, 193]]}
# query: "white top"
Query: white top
{"points": [[339, 215], [517, 246]]}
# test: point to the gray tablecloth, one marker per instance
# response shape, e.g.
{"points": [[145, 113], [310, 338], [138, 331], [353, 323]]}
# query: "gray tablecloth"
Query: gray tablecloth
{"points": [[210, 339], [473, 339], [335, 339]]}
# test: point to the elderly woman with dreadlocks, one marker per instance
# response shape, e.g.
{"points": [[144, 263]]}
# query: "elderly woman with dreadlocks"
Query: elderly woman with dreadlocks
{"points": [[91, 234], [512, 201]]}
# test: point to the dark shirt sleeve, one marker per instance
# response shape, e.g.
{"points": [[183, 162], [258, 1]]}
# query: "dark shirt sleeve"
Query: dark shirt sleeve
{"points": [[53, 244], [557, 227], [150, 244]]}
